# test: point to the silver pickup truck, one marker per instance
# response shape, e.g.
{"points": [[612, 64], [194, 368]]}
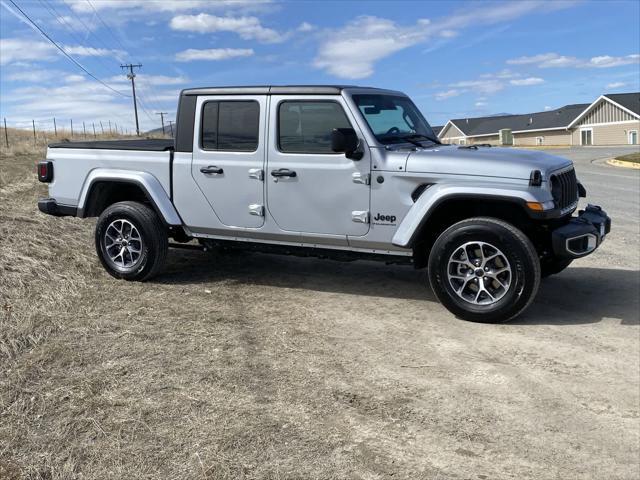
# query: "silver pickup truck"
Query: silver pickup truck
{"points": [[332, 171]]}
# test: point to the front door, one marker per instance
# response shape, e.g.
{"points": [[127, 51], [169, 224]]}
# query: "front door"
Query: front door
{"points": [[586, 137], [633, 137], [228, 158], [322, 192]]}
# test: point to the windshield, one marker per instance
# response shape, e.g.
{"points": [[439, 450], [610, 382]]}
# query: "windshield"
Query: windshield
{"points": [[394, 119]]}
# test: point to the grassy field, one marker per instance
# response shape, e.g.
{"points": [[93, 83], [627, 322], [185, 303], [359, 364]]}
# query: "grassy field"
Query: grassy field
{"points": [[253, 366]]}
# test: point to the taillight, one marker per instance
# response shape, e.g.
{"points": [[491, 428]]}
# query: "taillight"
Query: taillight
{"points": [[45, 171]]}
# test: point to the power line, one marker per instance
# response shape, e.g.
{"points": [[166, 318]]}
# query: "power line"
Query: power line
{"points": [[62, 21], [63, 51], [105, 25], [91, 33], [152, 93]]}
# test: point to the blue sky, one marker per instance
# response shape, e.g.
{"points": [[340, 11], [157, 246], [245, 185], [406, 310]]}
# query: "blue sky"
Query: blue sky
{"points": [[455, 59]]}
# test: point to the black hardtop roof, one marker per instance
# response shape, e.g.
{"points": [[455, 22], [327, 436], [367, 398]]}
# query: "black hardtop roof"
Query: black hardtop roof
{"points": [[281, 90]]}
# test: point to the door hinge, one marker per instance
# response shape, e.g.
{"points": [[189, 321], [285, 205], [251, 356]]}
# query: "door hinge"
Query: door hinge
{"points": [[256, 209], [256, 173], [363, 178], [360, 216]]}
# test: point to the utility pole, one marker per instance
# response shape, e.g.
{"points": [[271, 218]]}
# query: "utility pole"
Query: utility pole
{"points": [[6, 135], [171, 126], [131, 76], [162, 114]]}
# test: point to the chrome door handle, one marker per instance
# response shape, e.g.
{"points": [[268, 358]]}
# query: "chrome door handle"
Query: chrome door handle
{"points": [[211, 169]]}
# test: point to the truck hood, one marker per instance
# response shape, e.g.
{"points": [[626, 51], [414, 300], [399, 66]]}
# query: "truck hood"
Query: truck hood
{"points": [[485, 161]]}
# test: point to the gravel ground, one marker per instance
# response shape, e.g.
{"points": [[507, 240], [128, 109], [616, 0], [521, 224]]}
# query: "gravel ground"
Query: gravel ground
{"points": [[258, 366]]}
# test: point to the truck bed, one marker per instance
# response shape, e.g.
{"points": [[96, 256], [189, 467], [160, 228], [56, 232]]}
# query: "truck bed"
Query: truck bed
{"points": [[149, 144]]}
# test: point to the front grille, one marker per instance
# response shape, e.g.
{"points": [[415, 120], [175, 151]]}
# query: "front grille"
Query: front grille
{"points": [[564, 188]]}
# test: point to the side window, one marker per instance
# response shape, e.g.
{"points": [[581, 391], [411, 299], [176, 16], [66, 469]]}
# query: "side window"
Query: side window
{"points": [[230, 126], [305, 126]]}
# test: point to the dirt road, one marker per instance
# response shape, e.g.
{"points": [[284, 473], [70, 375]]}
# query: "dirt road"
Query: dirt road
{"points": [[258, 366]]}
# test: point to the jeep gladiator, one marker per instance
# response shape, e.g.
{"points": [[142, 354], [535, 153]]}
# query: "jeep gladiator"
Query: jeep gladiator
{"points": [[331, 171]]}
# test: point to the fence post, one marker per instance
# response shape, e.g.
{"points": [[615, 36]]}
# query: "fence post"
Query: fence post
{"points": [[72, 128], [55, 128], [101, 127], [35, 142], [171, 126], [94, 129], [6, 135], [110, 132], [84, 129]]}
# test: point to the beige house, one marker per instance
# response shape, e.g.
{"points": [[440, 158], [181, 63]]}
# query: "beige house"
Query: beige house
{"points": [[612, 119]]}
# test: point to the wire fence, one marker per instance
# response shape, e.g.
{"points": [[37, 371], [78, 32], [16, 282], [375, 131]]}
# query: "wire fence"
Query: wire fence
{"points": [[44, 131]]}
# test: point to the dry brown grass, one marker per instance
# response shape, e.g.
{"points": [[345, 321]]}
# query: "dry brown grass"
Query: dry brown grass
{"points": [[264, 367]]}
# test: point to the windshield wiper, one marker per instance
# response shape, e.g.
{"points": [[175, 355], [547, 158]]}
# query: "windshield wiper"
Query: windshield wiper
{"points": [[413, 137]]}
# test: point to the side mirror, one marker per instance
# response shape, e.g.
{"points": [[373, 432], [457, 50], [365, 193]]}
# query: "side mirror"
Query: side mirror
{"points": [[345, 140]]}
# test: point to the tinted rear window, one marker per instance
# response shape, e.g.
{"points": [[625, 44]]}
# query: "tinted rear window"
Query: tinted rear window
{"points": [[230, 125]]}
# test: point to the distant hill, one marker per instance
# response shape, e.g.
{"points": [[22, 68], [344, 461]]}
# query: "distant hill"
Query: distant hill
{"points": [[158, 131]]}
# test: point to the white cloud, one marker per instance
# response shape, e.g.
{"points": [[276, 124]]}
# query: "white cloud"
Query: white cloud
{"points": [[83, 51], [555, 60], [74, 78], [606, 61], [487, 84], [71, 96], [306, 27], [32, 76], [448, 33], [616, 85], [20, 50], [448, 94], [155, 80], [353, 50], [522, 82], [192, 54], [248, 28]]}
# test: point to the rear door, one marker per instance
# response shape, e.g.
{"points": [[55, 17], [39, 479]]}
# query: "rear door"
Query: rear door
{"points": [[326, 192], [228, 157]]}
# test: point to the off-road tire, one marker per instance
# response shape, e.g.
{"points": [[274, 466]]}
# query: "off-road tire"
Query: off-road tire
{"points": [[154, 244], [515, 247], [553, 266]]}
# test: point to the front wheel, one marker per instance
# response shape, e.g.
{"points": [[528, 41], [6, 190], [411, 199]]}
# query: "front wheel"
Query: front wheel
{"points": [[484, 270], [131, 241]]}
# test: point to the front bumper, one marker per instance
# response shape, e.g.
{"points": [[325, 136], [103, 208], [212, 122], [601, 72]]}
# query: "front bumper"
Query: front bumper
{"points": [[51, 207], [582, 235]]}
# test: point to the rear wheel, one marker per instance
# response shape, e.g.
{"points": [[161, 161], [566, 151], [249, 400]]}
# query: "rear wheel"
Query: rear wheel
{"points": [[131, 241], [484, 270]]}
